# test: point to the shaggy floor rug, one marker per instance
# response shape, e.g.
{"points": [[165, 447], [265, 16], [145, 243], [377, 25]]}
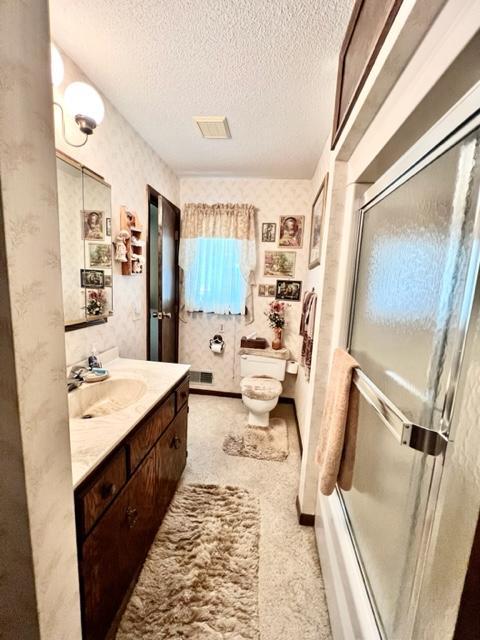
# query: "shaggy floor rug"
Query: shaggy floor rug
{"points": [[264, 443], [200, 578]]}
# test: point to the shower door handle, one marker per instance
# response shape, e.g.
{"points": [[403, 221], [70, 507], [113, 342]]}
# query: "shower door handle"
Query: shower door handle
{"points": [[406, 432]]}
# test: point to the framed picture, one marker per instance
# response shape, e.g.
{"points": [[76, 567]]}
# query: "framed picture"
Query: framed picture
{"points": [[266, 290], [100, 255], [93, 225], [108, 227], [318, 212], [108, 280], [279, 263], [92, 278], [291, 231], [269, 231], [96, 303], [288, 290]]}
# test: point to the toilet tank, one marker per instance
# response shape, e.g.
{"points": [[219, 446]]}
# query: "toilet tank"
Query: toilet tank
{"points": [[262, 366]]}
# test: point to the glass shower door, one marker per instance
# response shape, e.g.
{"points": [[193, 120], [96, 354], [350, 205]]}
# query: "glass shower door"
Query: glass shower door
{"points": [[412, 287]]}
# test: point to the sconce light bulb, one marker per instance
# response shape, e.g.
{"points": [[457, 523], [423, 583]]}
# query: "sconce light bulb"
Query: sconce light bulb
{"points": [[85, 105], [56, 66]]}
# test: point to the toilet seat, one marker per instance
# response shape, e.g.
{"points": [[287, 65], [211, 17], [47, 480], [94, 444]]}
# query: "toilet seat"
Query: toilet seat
{"points": [[260, 388]]}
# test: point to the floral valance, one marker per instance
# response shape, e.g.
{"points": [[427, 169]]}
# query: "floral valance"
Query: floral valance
{"points": [[220, 220]]}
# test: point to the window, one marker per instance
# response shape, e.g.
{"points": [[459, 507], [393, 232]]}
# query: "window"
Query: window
{"points": [[214, 281], [218, 256]]}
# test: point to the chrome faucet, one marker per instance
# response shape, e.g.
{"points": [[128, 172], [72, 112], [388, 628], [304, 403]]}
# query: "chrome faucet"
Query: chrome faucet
{"points": [[75, 377]]}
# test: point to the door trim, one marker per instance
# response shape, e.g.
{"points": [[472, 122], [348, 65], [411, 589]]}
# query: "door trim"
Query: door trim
{"points": [[153, 194]]}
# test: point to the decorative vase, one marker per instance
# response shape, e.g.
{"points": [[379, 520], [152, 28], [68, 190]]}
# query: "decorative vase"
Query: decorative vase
{"points": [[277, 338]]}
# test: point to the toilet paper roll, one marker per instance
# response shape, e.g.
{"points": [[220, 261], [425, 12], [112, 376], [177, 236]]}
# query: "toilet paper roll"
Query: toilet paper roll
{"points": [[292, 367], [217, 347]]}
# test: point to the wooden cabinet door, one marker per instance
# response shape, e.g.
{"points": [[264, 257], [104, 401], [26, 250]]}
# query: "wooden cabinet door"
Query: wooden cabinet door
{"points": [[170, 460], [116, 548]]}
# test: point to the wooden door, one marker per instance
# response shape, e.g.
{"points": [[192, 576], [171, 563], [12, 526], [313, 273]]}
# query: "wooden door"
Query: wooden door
{"points": [[116, 548], [163, 279], [170, 460]]}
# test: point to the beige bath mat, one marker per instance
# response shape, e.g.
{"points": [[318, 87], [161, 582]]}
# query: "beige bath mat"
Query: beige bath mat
{"points": [[264, 443], [200, 578]]}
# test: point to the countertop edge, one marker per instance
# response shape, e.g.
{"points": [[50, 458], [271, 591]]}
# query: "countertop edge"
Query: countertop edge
{"points": [[138, 418]]}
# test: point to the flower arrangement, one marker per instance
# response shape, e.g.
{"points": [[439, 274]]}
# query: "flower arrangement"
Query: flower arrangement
{"points": [[96, 302], [276, 314]]}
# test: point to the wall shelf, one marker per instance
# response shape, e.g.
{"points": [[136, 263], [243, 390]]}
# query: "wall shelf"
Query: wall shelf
{"points": [[135, 243]]}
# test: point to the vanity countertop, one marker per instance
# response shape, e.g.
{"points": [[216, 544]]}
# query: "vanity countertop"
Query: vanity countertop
{"points": [[92, 440]]}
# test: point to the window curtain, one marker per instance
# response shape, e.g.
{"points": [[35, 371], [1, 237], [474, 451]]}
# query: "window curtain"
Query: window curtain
{"points": [[218, 257]]}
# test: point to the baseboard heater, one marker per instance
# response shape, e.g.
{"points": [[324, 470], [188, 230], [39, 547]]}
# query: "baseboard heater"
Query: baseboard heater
{"points": [[201, 377]]}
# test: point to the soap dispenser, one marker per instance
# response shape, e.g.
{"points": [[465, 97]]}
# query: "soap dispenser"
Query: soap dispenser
{"points": [[93, 360]]}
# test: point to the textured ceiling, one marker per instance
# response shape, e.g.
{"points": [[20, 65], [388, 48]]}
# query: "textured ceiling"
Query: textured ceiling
{"points": [[268, 65]]}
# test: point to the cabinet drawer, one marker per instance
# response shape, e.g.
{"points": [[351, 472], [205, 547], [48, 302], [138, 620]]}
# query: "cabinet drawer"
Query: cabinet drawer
{"points": [[182, 394], [170, 460], [93, 501], [149, 432], [115, 550]]}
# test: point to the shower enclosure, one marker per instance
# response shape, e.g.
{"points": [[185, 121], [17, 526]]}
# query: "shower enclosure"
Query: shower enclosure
{"points": [[415, 278]]}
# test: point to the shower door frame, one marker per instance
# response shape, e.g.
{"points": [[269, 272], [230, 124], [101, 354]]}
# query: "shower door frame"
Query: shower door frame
{"points": [[458, 123]]}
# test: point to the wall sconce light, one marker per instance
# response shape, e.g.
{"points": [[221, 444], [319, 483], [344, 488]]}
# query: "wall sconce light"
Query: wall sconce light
{"points": [[80, 99]]}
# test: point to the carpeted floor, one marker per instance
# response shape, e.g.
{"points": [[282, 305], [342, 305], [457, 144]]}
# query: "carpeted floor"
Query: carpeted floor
{"points": [[291, 597], [292, 602]]}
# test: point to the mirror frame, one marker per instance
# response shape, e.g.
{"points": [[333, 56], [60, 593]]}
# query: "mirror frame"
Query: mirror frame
{"points": [[81, 324]]}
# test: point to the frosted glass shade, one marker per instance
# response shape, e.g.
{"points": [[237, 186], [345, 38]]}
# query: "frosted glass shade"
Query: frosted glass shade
{"points": [[56, 65], [82, 100]]}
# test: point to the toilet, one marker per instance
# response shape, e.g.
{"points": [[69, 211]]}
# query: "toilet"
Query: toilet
{"points": [[261, 386]]}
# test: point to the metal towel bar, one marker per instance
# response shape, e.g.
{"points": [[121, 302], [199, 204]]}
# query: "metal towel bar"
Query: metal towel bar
{"points": [[406, 432]]}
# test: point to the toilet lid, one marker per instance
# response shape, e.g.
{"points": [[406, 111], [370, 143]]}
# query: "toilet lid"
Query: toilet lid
{"points": [[260, 388]]}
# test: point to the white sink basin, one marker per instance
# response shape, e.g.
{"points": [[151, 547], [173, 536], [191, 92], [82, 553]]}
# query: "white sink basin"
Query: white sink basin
{"points": [[92, 400]]}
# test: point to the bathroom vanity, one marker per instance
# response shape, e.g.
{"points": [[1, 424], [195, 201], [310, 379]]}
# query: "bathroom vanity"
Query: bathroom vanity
{"points": [[126, 464]]}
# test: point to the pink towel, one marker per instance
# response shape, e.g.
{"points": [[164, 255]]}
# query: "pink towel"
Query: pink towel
{"points": [[338, 430]]}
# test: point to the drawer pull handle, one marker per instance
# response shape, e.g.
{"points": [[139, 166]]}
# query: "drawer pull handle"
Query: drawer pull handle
{"points": [[175, 442], [108, 490], [132, 517]]}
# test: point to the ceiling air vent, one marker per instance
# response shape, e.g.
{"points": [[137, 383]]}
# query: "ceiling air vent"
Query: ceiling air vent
{"points": [[213, 127], [201, 377]]}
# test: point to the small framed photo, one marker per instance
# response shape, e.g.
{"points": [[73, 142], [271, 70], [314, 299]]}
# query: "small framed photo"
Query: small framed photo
{"points": [[93, 225], [100, 255], [269, 231], [108, 280], [279, 263], [96, 302], [318, 212], [108, 227], [288, 290], [266, 290], [92, 278], [291, 231]]}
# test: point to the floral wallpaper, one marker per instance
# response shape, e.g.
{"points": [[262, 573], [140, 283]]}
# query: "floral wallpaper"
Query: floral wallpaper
{"points": [[129, 164], [272, 198], [39, 585]]}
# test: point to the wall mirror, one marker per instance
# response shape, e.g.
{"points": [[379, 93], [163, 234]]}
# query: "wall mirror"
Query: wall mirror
{"points": [[85, 213]]}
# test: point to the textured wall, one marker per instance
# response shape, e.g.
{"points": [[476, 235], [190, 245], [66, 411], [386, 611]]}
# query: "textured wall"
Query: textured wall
{"points": [[39, 578], [309, 397], [304, 387], [128, 163], [272, 198]]}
